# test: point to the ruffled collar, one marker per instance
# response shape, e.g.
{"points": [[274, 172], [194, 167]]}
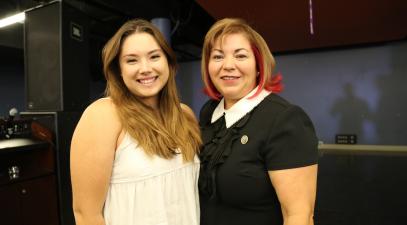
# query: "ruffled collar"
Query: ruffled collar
{"points": [[219, 136], [216, 149], [239, 109]]}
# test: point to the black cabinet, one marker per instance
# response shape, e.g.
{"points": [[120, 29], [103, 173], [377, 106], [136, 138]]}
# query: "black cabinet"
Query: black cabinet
{"points": [[28, 186]]}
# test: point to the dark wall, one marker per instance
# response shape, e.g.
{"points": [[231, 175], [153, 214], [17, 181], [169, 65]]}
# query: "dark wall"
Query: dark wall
{"points": [[361, 189], [11, 87], [12, 84]]}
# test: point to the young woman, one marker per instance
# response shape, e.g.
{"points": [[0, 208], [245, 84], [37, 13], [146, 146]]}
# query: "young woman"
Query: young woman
{"points": [[133, 153], [259, 158]]}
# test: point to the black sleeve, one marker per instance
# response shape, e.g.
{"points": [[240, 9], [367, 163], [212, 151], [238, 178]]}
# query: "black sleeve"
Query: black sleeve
{"points": [[206, 111], [292, 141]]}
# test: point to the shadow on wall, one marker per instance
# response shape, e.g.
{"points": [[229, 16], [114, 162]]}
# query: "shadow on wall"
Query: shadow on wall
{"points": [[352, 111], [390, 117]]}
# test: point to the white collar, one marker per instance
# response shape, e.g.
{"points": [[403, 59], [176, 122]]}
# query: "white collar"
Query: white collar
{"points": [[239, 109]]}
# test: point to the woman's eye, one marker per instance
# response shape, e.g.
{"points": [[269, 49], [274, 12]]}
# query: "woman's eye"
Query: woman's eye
{"points": [[217, 57], [131, 60], [241, 56], [155, 57]]}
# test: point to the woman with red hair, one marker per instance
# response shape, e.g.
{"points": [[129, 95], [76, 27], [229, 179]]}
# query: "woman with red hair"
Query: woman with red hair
{"points": [[259, 158]]}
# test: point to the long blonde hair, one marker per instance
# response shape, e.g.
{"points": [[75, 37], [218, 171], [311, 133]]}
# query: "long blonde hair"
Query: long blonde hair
{"points": [[158, 132]]}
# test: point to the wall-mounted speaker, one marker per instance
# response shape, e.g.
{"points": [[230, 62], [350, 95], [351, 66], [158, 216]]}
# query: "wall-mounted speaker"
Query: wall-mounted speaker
{"points": [[56, 54]]}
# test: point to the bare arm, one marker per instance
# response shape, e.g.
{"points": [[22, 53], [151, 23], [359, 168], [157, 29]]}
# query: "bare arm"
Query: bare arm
{"points": [[296, 191], [92, 153]]}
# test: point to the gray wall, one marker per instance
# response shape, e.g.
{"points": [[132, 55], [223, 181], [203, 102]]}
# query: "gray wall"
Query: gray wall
{"points": [[350, 91], [190, 85], [355, 91]]}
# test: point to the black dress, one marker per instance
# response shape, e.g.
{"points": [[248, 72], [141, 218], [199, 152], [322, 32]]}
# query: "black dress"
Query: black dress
{"points": [[234, 185]]}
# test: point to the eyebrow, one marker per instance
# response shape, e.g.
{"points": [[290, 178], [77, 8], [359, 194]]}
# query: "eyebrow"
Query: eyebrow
{"points": [[148, 53], [240, 49], [154, 51], [237, 50]]}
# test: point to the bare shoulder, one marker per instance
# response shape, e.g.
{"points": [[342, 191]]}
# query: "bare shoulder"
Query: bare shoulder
{"points": [[104, 109], [101, 106], [188, 111], [102, 116]]}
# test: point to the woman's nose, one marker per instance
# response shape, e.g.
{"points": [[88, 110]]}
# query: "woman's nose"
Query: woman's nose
{"points": [[228, 63], [145, 67]]}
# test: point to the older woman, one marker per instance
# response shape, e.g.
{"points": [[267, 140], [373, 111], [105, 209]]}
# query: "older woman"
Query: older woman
{"points": [[259, 159]]}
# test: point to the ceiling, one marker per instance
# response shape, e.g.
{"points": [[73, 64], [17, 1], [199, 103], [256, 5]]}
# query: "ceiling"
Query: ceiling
{"points": [[189, 23], [286, 25]]}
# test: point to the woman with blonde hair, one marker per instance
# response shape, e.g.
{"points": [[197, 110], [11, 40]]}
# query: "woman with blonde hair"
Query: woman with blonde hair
{"points": [[259, 157], [133, 153]]}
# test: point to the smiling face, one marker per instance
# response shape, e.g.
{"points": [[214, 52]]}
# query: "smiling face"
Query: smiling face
{"points": [[232, 67], [144, 67]]}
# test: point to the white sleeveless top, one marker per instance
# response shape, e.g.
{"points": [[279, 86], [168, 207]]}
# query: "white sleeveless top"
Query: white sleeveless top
{"points": [[151, 190]]}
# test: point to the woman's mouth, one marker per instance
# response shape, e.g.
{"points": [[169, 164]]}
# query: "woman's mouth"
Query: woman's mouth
{"points": [[229, 77], [147, 80]]}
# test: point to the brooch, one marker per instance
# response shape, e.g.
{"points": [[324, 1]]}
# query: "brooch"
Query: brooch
{"points": [[244, 139]]}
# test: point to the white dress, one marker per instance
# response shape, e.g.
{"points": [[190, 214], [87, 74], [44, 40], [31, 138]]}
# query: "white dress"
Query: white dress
{"points": [[151, 190]]}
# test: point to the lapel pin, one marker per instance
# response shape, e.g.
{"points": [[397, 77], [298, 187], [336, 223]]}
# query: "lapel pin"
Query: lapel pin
{"points": [[244, 139]]}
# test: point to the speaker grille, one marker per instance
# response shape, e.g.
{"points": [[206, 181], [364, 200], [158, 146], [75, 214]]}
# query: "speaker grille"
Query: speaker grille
{"points": [[57, 64]]}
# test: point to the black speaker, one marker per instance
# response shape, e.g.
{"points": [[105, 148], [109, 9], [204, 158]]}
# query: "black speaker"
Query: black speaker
{"points": [[56, 54]]}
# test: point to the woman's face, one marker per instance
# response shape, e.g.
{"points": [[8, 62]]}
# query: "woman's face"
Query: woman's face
{"points": [[232, 67], [144, 67]]}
